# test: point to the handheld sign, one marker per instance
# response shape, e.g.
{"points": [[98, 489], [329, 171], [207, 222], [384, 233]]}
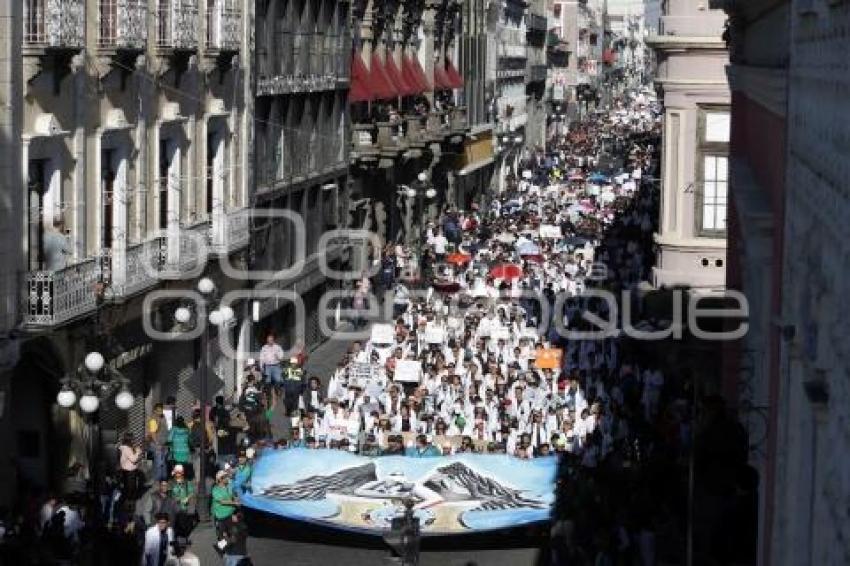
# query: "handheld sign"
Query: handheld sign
{"points": [[382, 334], [408, 371], [434, 335], [548, 358], [550, 231], [359, 373]]}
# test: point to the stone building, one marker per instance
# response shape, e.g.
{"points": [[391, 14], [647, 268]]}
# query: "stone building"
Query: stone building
{"points": [[130, 121], [788, 254], [408, 123], [690, 72], [300, 74]]}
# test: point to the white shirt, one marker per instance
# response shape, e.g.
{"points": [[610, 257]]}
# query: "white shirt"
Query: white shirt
{"points": [[440, 242], [271, 354], [152, 539]]}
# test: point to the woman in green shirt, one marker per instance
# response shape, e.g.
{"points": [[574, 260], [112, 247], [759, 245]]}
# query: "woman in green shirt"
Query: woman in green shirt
{"points": [[178, 439]]}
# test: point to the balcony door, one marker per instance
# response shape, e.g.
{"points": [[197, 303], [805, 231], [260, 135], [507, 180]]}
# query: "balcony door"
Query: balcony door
{"points": [[169, 199], [113, 210], [169, 184]]}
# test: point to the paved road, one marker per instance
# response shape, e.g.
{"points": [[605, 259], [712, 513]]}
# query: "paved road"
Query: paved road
{"points": [[304, 550]]}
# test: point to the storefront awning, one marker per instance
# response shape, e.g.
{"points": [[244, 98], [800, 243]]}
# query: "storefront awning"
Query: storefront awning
{"points": [[455, 80], [441, 80], [380, 83], [415, 74], [359, 91], [402, 86]]}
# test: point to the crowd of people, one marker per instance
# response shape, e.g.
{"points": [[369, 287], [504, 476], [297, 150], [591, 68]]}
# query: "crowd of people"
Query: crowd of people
{"points": [[496, 345]]}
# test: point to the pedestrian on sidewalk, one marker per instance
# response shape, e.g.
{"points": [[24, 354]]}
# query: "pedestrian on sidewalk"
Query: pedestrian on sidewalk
{"points": [[158, 539], [271, 357], [236, 536], [157, 439]]}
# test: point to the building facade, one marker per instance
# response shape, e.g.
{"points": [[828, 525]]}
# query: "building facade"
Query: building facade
{"points": [[130, 120], [561, 43], [408, 121], [690, 71], [300, 80], [10, 230], [508, 68], [788, 254]]}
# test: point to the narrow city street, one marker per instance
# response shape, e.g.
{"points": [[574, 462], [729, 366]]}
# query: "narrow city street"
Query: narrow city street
{"points": [[424, 283]]}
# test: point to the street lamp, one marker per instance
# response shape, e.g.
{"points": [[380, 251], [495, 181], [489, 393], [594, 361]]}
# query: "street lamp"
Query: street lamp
{"points": [[91, 383], [220, 316]]}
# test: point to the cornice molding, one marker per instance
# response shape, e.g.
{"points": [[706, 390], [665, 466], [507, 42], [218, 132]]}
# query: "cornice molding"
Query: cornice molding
{"points": [[764, 85]]}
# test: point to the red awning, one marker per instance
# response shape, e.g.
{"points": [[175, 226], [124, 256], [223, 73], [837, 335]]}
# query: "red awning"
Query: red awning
{"points": [[381, 85], [441, 80], [401, 85], [414, 73], [359, 91], [455, 80]]}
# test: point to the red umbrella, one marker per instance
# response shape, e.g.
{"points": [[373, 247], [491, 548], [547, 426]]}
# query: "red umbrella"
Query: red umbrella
{"points": [[506, 271], [458, 258]]}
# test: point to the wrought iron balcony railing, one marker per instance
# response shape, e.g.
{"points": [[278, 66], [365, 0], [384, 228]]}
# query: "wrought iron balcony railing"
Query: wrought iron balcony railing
{"points": [[122, 24], [177, 24], [231, 231], [302, 62], [56, 24], [184, 249], [224, 25], [55, 297]]}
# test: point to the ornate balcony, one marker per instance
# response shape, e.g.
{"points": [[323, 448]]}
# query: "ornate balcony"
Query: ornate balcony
{"points": [[177, 24], [56, 24], [138, 269], [302, 62], [224, 25], [390, 138], [183, 250], [122, 24], [55, 297], [415, 133], [231, 231]]}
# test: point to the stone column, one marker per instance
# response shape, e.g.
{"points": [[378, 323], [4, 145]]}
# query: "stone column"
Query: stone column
{"points": [[426, 47]]}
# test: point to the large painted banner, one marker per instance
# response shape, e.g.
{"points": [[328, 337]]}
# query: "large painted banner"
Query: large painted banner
{"points": [[452, 494]]}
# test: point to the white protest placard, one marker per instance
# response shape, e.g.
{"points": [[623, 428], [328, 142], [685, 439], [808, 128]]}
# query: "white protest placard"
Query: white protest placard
{"points": [[434, 335], [408, 371], [550, 231], [382, 334], [359, 373]]}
